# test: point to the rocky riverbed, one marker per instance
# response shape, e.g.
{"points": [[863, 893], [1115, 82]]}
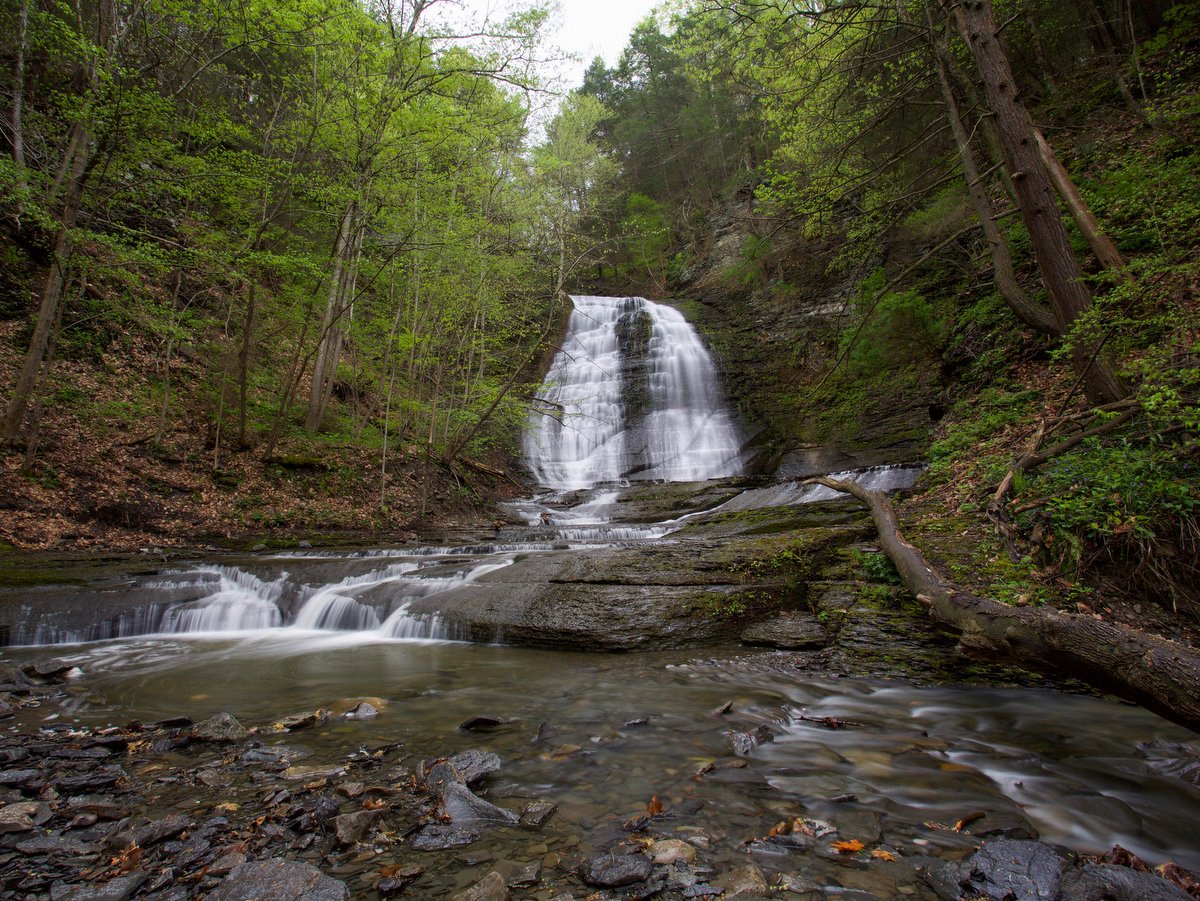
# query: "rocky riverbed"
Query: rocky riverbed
{"points": [[178, 809]]}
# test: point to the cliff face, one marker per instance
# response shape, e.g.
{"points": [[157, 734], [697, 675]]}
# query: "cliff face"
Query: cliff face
{"points": [[773, 309]]}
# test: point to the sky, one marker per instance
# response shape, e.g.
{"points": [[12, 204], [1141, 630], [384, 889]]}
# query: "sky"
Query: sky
{"points": [[587, 28]]}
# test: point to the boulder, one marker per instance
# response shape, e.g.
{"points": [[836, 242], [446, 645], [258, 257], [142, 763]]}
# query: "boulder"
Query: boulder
{"points": [[278, 880], [223, 727], [613, 871], [490, 888]]}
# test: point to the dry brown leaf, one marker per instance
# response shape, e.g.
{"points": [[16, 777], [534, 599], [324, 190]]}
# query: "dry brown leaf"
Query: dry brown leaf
{"points": [[655, 807]]}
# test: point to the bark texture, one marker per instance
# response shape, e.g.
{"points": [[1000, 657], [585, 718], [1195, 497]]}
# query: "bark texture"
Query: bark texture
{"points": [[1069, 295], [1161, 675]]}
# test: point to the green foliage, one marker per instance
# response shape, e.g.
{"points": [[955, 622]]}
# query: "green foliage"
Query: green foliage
{"points": [[878, 567], [976, 423], [895, 329]]}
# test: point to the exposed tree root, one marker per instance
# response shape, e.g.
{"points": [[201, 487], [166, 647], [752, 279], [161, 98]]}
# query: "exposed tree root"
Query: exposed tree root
{"points": [[1161, 675]]}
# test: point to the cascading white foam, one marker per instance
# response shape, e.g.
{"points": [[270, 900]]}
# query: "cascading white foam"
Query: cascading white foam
{"points": [[242, 602], [679, 430]]}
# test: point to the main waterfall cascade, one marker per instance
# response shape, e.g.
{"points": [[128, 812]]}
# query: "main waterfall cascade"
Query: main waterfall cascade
{"points": [[632, 395]]}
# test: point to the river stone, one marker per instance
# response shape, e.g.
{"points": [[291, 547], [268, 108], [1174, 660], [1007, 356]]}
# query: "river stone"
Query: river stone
{"points": [[118, 888], [278, 880], [353, 827], [672, 850], [611, 871], [439, 838], [490, 888], [363, 711], [472, 765], [537, 812], [102, 806], [23, 816], [747, 880], [223, 727], [145, 833], [792, 632], [55, 843], [98, 778], [48, 669], [21, 778], [13, 680], [463, 807], [1002, 870], [1115, 883]]}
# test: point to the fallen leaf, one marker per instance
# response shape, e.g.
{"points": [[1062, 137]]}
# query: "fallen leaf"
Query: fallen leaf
{"points": [[968, 820], [655, 807], [883, 855], [848, 847], [374, 804]]}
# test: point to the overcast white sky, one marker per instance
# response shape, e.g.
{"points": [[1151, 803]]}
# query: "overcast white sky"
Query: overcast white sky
{"points": [[587, 28]]}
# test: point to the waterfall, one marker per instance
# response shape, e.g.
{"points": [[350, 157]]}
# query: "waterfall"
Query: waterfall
{"points": [[632, 394]]}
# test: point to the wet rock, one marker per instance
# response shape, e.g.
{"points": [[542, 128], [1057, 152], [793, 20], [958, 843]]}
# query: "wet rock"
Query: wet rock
{"points": [[463, 807], [439, 838], [472, 765], [226, 863], [145, 833], [671, 851], [119, 888], [274, 754], [312, 773], [796, 885], [747, 880], [22, 778], [399, 880], [350, 828], [742, 743], [612, 871], [301, 720], [490, 888], [53, 668], [1002, 870], [13, 680], [1116, 883], [223, 727], [523, 875], [536, 813], [102, 806], [278, 880], [363, 711], [98, 778], [6, 709], [793, 631], [482, 723], [23, 816], [55, 843]]}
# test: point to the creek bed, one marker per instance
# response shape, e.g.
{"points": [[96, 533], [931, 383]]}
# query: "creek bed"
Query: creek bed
{"points": [[601, 735]]}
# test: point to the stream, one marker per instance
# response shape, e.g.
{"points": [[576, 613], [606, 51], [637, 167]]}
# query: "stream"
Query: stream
{"points": [[731, 740]]}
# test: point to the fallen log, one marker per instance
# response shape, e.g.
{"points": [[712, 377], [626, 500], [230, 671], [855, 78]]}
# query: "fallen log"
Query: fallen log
{"points": [[1161, 675]]}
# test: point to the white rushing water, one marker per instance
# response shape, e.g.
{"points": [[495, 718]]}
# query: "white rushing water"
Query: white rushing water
{"points": [[675, 427]]}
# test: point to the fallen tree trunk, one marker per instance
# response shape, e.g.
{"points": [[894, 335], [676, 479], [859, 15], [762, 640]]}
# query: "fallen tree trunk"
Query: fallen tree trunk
{"points": [[1161, 675]]}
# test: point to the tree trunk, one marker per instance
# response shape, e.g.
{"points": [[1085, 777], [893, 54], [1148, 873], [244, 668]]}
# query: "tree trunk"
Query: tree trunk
{"points": [[341, 294], [244, 362], [1025, 307], [18, 100], [1069, 296], [52, 292], [1161, 675], [1102, 246]]}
